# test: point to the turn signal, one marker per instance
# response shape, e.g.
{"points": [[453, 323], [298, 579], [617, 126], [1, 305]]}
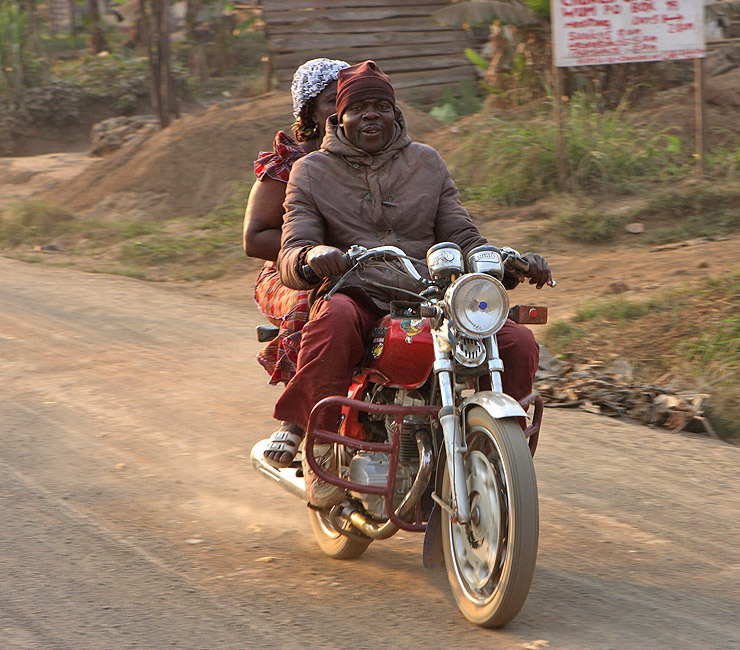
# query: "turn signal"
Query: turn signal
{"points": [[528, 314]]}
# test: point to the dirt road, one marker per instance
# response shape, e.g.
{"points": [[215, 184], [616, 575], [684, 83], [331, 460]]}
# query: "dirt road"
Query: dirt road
{"points": [[131, 516]]}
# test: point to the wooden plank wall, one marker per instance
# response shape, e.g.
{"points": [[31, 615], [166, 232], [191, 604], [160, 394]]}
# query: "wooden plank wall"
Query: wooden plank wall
{"points": [[401, 37]]}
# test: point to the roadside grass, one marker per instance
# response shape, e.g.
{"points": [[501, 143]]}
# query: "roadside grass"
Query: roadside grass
{"points": [[514, 161], [36, 221], [702, 211], [688, 336], [671, 214], [586, 224], [185, 249]]}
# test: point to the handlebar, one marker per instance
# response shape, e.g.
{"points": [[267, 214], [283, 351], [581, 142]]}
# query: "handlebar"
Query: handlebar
{"points": [[359, 256], [513, 261], [309, 275]]}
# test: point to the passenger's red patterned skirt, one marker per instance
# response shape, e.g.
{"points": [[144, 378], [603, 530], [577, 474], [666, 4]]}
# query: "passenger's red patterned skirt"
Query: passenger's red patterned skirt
{"points": [[288, 309]]}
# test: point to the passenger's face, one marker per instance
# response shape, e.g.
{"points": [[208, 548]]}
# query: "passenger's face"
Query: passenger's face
{"points": [[326, 105], [368, 124]]}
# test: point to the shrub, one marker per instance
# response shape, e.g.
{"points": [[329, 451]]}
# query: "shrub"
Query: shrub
{"points": [[514, 161]]}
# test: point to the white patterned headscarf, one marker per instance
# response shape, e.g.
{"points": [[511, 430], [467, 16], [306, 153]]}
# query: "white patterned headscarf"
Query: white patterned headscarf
{"points": [[311, 78]]}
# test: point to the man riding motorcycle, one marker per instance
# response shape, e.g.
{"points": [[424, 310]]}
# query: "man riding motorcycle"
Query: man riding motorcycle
{"points": [[370, 185]]}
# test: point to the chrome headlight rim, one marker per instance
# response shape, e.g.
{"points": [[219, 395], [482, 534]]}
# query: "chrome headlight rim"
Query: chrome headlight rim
{"points": [[456, 307]]}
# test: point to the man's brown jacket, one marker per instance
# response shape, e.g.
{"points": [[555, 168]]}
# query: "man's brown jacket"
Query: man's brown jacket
{"points": [[401, 196]]}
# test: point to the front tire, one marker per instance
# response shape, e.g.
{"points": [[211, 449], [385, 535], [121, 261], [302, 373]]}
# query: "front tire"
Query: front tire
{"points": [[333, 543], [490, 563]]}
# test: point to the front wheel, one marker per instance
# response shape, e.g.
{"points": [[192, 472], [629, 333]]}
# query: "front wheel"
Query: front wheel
{"points": [[335, 544], [490, 562]]}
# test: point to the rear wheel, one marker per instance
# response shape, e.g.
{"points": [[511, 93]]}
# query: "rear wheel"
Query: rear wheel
{"points": [[490, 562], [335, 544]]}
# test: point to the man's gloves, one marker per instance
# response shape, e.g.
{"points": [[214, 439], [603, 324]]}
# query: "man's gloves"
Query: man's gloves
{"points": [[326, 261], [539, 272]]}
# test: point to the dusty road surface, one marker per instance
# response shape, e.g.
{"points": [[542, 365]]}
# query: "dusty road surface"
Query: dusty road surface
{"points": [[131, 517]]}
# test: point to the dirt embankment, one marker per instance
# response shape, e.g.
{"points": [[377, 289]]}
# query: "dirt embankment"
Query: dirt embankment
{"points": [[192, 166]]}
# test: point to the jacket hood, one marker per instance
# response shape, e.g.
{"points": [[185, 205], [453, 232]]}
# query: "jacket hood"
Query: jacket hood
{"points": [[337, 143]]}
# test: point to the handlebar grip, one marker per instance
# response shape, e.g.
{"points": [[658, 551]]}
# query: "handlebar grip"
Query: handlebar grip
{"points": [[519, 264], [515, 262], [308, 274]]}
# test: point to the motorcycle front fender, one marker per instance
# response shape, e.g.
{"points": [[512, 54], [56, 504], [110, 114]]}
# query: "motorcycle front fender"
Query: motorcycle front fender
{"points": [[497, 405]]}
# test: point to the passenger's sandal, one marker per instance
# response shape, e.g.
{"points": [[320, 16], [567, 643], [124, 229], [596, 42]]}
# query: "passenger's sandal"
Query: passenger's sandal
{"points": [[284, 441]]}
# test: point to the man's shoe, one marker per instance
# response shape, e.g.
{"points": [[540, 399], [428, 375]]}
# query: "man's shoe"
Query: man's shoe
{"points": [[320, 493]]}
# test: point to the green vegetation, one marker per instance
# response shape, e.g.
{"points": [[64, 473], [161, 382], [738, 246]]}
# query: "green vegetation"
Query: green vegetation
{"points": [[36, 221], [194, 248], [451, 106], [690, 336], [588, 225], [48, 76], [515, 161], [710, 209], [673, 214], [119, 80]]}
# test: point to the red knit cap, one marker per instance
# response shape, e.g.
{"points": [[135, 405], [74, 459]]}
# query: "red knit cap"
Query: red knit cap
{"points": [[362, 81]]}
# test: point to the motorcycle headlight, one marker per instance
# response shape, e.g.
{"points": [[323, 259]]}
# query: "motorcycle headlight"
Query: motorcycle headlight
{"points": [[477, 305]]}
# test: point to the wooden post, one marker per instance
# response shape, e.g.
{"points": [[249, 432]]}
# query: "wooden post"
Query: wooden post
{"points": [[700, 110], [557, 90]]}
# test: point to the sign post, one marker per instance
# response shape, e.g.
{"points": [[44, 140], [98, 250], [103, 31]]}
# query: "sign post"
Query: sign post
{"points": [[602, 32]]}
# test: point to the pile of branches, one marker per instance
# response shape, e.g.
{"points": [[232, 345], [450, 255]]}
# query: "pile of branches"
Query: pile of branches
{"points": [[611, 390]]}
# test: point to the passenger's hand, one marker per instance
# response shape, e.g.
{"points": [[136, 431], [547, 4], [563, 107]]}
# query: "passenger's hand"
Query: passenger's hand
{"points": [[539, 271], [326, 261]]}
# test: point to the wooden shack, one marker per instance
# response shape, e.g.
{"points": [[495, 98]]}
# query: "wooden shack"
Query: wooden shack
{"points": [[422, 57]]}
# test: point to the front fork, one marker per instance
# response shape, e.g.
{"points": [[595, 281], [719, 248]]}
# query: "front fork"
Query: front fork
{"points": [[450, 419]]}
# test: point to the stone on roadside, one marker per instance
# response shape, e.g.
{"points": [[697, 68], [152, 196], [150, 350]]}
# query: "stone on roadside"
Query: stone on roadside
{"points": [[616, 287], [112, 134], [620, 367]]}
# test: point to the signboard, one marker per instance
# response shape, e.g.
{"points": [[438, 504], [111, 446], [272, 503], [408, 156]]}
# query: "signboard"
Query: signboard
{"points": [[600, 32]]}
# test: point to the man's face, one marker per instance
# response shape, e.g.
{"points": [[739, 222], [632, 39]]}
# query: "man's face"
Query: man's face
{"points": [[368, 124]]}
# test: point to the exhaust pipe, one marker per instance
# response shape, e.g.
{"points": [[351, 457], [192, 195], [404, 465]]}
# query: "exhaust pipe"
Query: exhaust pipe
{"points": [[287, 479], [285, 476]]}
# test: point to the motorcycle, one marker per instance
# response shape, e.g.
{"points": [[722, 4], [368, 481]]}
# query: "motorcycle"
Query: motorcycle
{"points": [[427, 440]]}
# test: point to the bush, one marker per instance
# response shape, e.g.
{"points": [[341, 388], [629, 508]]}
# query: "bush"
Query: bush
{"points": [[687, 213], [515, 161], [588, 226], [33, 222]]}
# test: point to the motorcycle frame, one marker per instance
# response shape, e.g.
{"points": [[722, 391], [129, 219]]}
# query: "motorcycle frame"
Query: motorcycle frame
{"points": [[393, 448], [449, 416]]}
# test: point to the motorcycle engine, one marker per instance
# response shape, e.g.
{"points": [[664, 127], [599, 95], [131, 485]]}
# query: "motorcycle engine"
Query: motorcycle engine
{"points": [[372, 469], [368, 468]]}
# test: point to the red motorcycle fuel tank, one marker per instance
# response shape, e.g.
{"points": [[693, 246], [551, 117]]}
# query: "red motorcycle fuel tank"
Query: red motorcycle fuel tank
{"points": [[400, 352]]}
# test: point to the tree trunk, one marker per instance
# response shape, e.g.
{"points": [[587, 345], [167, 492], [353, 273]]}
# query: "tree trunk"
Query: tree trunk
{"points": [[98, 43], [73, 20], [153, 61], [33, 22], [164, 97], [163, 60], [190, 20]]}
